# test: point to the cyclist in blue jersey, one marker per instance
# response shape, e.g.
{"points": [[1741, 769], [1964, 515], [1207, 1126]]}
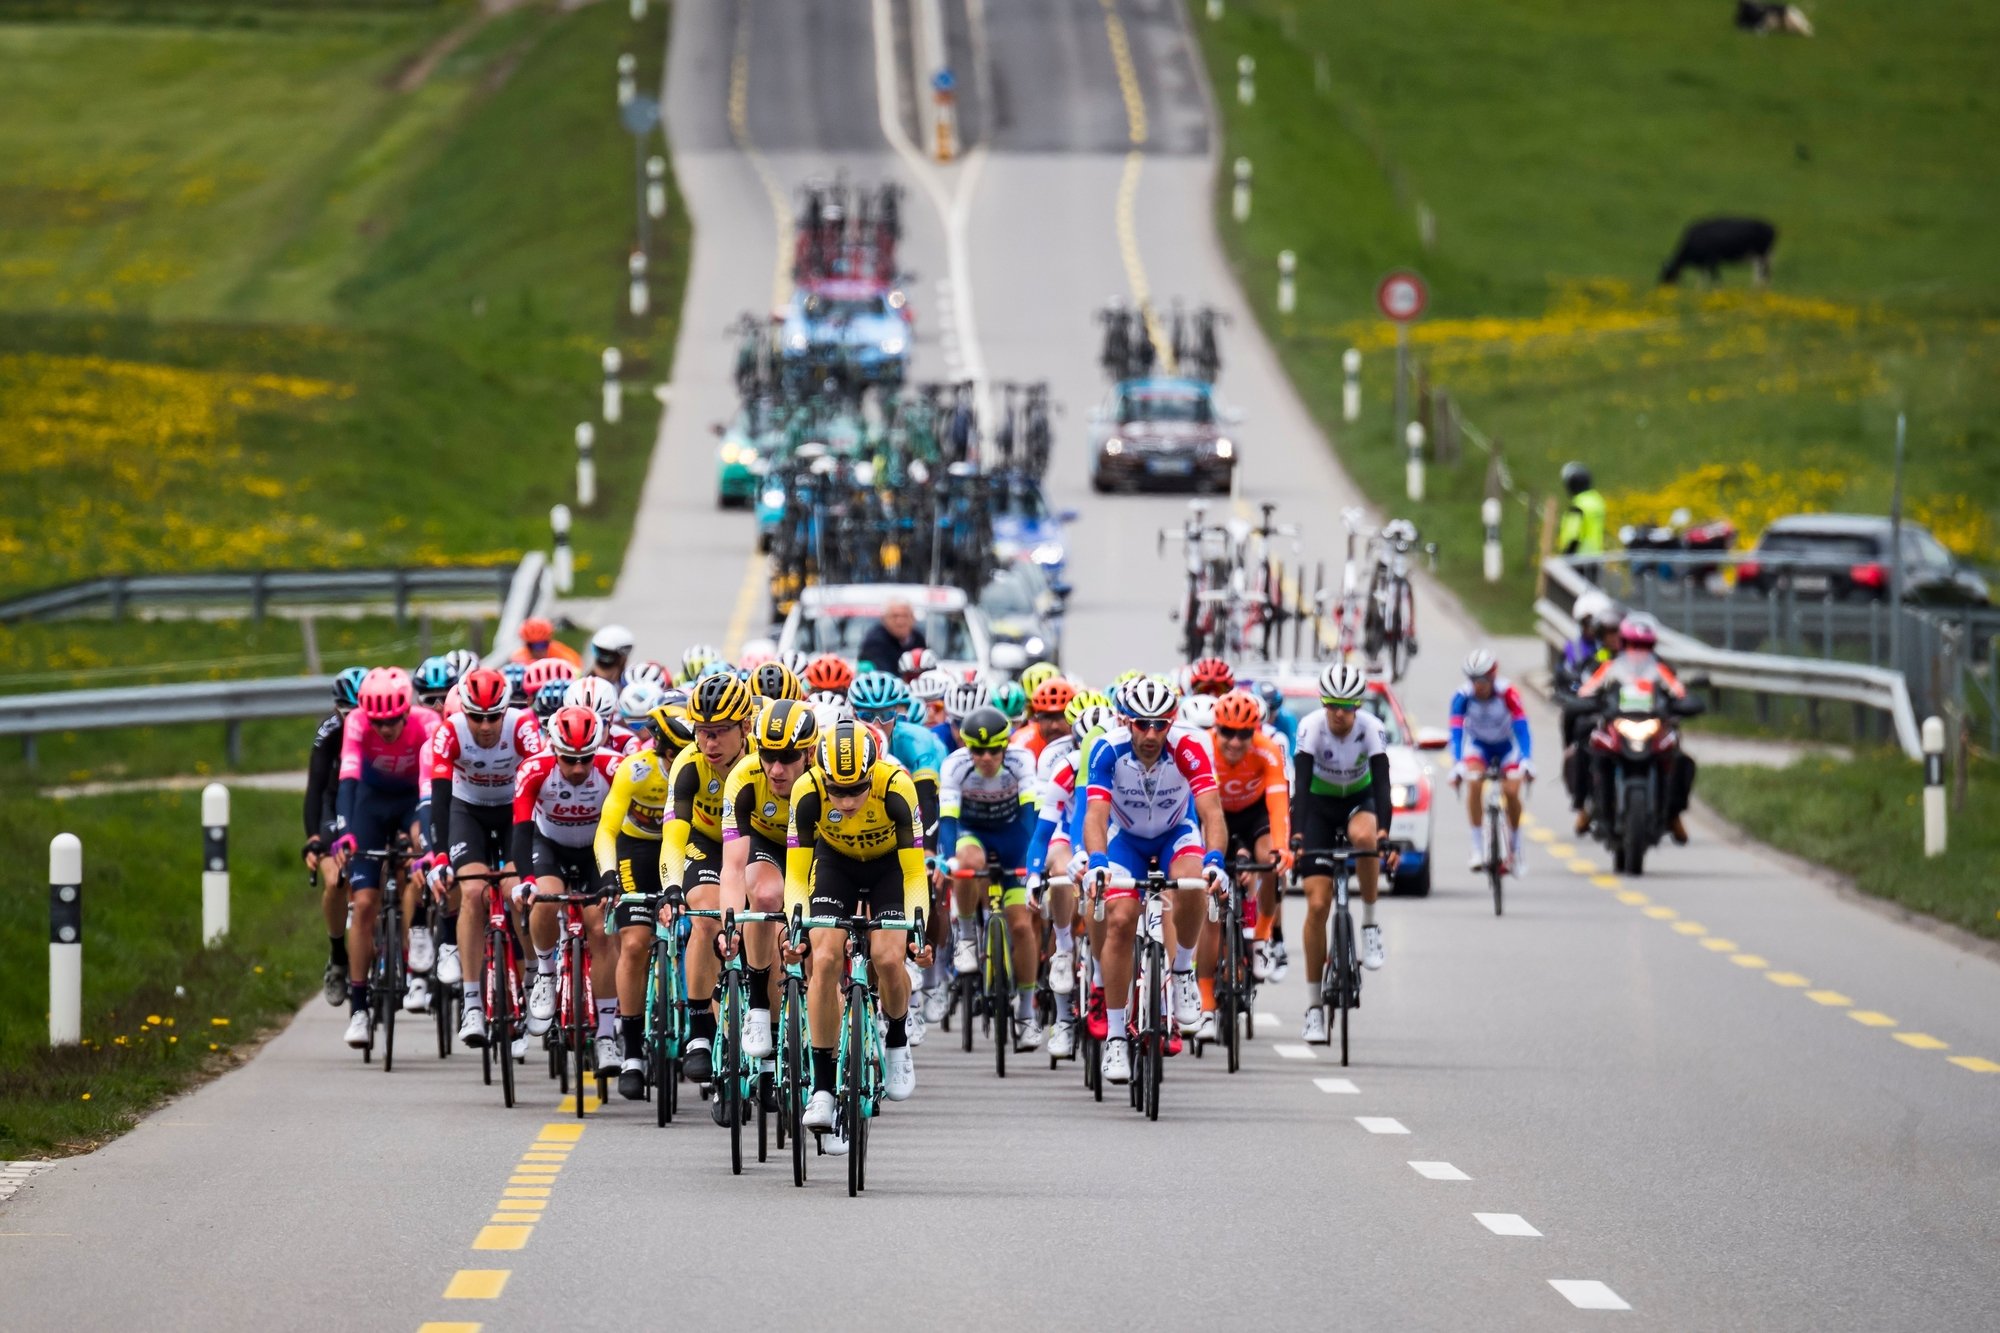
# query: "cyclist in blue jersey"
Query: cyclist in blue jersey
{"points": [[1488, 712]]}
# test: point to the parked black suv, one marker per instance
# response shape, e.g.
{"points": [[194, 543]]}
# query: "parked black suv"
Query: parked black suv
{"points": [[1846, 556]]}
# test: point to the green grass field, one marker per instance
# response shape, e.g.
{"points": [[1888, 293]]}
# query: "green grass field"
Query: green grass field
{"points": [[1863, 818], [1560, 150], [269, 300], [142, 921]]}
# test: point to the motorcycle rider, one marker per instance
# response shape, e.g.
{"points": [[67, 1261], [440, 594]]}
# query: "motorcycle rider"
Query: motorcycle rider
{"points": [[1594, 613], [1637, 666]]}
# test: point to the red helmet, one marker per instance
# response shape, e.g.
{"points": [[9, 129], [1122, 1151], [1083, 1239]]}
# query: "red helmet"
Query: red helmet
{"points": [[1239, 710], [545, 671], [915, 662], [1052, 696], [386, 693], [483, 691], [537, 630], [1637, 632], [575, 732], [829, 671], [1211, 675]]}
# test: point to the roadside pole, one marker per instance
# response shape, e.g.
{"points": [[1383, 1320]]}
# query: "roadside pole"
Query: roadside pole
{"points": [[214, 864], [65, 940], [1934, 827]]}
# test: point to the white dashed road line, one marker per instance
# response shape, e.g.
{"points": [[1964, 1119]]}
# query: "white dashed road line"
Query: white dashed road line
{"points": [[13, 1175], [1438, 1171], [1588, 1294], [1335, 1085], [1506, 1224], [1292, 1050], [1381, 1124]]}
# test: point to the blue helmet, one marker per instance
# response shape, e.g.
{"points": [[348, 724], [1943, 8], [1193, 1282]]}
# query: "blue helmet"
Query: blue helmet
{"points": [[347, 688], [517, 690], [1270, 696], [549, 699], [878, 692], [434, 676]]}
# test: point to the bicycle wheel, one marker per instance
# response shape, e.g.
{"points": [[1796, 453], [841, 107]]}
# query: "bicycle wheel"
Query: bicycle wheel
{"points": [[390, 959], [1495, 856], [794, 1074], [967, 1004], [999, 989], [1226, 984], [662, 1062], [1156, 1026], [443, 1002], [501, 1015], [1341, 966], [579, 1022], [852, 1112], [728, 1068]]}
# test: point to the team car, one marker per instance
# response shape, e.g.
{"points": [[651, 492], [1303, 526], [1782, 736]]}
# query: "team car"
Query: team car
{"points": [[851, 329], [1162, 432], [835, 617]]}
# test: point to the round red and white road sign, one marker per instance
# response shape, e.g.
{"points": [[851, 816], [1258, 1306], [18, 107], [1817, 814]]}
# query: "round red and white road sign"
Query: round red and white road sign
{"points": [[1401, 296]]}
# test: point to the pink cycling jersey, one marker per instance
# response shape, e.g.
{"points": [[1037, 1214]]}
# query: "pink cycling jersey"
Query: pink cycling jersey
{"points": [[396, 765]]}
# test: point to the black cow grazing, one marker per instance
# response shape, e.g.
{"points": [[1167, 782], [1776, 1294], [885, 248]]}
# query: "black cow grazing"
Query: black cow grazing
{"points": [[1752, 16], [1709, 244]]}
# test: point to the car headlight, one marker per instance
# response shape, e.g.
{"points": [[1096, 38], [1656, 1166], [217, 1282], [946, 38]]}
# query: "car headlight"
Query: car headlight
{"points": [[773, 498], [1114, 445], [1035, 645], [1225, 448], [1048, 553], [893, 345], [730, 453], [1400, 796], [796, 341]]}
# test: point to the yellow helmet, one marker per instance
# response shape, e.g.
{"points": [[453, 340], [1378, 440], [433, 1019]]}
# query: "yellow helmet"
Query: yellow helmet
{"points": [[775, 680], [1037, 675], [784, 724], [670, 722], [846, 755], [1087, 699], [720, 699]]}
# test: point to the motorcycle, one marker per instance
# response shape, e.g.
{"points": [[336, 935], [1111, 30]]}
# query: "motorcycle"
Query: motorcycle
{"points": [[1637, 737], [1680, 538]]}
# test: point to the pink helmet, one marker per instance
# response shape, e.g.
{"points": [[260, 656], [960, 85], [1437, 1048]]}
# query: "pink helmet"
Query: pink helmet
{"points": [[546, 670], [386, 693], [1637, 631]]}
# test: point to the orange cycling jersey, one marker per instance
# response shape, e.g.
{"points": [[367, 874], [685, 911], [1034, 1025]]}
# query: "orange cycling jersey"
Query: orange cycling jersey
{"points": [[1260, 773]]}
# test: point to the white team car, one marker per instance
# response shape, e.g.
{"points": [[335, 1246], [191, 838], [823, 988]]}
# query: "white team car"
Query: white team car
{"points": [[1410, 785], [834, 618]]}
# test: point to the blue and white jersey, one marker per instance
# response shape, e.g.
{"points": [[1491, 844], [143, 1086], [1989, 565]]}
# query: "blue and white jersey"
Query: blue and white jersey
{"points": [[1495, 724], [1149, 802]]}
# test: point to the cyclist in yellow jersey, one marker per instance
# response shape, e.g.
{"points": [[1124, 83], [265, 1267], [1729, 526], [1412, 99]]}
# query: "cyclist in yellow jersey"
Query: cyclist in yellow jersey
{"points": [[854, 847], [756, 812], [719, 710], [627, 846]]}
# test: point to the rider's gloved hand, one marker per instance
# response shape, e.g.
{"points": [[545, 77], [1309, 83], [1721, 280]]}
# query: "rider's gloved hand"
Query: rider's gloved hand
{"points": [[1215, 871], [345, 845], [1458, 773], [439, 876], [608, 883], [1526, 768], [1099, 872]]}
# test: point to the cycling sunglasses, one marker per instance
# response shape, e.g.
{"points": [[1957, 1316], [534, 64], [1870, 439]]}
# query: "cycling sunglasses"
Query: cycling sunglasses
{"points": [[387, 723], [1236, 733], [1341, 705], [878, 715], [1150, 723], [786, 757], [719, 731], [486, 719], [848, 793]]}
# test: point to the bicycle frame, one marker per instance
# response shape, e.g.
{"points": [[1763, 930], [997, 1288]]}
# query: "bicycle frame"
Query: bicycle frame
{"points": [[1340, 979], [576, 1000]]}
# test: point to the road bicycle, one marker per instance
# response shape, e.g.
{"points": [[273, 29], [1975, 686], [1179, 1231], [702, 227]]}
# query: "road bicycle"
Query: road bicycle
{"points": [[576, 1000], [794, 1073], [1340, 980], [1235, 982], [388, 973], [1151, 1001], [987, 992], [1496, 842], [737, 1077], [858, 1061], [500, 984], [666, 1015]]}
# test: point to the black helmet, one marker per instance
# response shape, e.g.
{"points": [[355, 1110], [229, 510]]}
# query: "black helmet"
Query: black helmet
{"points": [[1576, 478], [985, 728]]}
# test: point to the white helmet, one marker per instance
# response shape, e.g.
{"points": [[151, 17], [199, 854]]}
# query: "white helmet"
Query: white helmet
{"points": [[597, 694], [1341, 683], [932, 686], [796, 662], [824, 700], [1593, 606], [1400, 530], [639, 699], [611, 641], [1149, 698], [1198, 710], [1096, 717], [461, 660], [651, 672], [959, 703], [1479, 663]]}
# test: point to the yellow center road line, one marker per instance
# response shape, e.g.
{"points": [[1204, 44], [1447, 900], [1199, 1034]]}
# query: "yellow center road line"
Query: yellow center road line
{"points": [[1690, 928], [1581, 867], [1136, 132], [1978, 1064], [1128, 74], [739, 129], [448, 1326], [1660, 912], [1868, 1018], [1787, 979], [1749, 960], [1603, 881], [1561, 849], [492, 1237], [1829, 997], [477, 1284], [1922, 1041], [1632, 897], [512, 1222], [1717, 944], [1542, 833]]}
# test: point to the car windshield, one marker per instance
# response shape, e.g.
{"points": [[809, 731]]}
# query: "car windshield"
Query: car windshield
{"points": [[944, 631], [1303, 706], [1183, 405], [1023, 500], [1008, 595], [842, 308], [1825, 545]]}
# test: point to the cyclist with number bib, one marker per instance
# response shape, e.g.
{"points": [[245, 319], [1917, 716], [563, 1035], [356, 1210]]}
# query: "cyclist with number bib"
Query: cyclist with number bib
{"points": [[1144, 780], [853, 848], [1488, 711], [986, 821], [1342, 771]]}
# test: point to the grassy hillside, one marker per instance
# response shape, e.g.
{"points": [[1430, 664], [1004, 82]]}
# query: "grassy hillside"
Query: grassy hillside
{"points": [[1560, 150], [270, 297]]}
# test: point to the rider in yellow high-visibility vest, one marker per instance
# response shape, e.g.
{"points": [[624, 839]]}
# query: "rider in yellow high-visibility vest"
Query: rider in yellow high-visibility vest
{"points": [[1582, 529]]}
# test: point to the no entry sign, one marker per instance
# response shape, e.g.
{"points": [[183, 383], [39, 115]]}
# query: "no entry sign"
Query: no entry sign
{"points": [[1401, 296]]}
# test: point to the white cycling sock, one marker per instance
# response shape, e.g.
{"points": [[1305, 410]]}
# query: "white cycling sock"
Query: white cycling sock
{"points": [[1064, 1009], [1183, 957], [1367, 913], [964, 927], [1063, 939], [607, 1018], [545, 963], [1024, 1003], [472, 994], [1096, 972], [1114, 1024]]}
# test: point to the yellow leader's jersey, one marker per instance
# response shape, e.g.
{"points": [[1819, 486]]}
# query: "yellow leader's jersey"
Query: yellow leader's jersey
{"points": [[887, 822], [635, 806], [694, 805], [750, 806]]}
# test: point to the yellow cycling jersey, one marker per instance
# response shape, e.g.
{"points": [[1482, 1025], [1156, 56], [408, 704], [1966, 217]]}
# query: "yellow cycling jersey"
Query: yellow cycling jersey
{"points": [[750, 806], [636, 804], [886, 823], [694, 805]]}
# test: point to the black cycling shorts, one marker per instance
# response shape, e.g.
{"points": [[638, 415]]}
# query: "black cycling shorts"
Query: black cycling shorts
{"points": [[704, 863], [1246, 826], [639, 877], [843, 886], [768, 850], [577, 866], [1322, 822], [480, 834]]}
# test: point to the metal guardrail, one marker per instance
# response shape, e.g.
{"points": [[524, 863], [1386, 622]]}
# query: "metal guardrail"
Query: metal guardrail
{"points": [[260, 588], [234, 702], [1768, 673]]}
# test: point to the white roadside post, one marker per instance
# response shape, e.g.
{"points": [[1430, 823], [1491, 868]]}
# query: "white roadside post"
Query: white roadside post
{"points": [[638, 11], [628, 78], [1288, 287], [586, 465], [1350, 390], [1489, 515], [1413, 467], [1246, 80], [214, 864], [565, 561], [614, 395], [1240, 200], [638, 299], [656, 187], [1933, 786], [1214, 10], [65, 940]]}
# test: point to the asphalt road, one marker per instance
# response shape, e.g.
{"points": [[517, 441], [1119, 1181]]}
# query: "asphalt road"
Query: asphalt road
{"points": [[1723, 1092]]}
